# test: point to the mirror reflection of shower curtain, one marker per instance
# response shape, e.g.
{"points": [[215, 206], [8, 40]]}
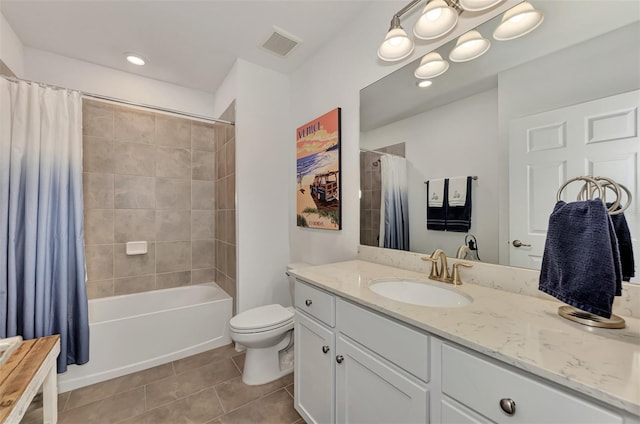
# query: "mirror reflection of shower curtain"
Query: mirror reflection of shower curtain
{"points": [[394, 204]]}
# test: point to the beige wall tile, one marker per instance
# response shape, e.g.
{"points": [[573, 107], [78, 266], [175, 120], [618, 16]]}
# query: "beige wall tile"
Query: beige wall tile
{"points": [[98, 226], [173, 225], [132, 192], [98, 289], [202, 165], [230, 265], [203, 253], [97, 154], [135, 225], [128, 266], [202, 195], [173, 194], [136, 284], [230, 226], [219, 224], [219, 193], [134, 125], [202, 225], [135, 159], [221, 162], [97, 191], [220, 136], [173, 256], [97, 119], [200, 276], [173, 163], [99, 260], [173, 131], [173, 279], [230, 191], [202, 136], [230, 157]]}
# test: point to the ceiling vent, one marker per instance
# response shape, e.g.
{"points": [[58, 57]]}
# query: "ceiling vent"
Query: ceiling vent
{"points": [[280, 42]]}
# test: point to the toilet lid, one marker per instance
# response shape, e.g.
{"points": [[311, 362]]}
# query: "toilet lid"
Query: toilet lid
{"points": [[261, 317]]}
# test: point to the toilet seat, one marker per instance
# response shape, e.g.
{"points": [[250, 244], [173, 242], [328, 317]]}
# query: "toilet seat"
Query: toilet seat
{"points": [[260, 319]]}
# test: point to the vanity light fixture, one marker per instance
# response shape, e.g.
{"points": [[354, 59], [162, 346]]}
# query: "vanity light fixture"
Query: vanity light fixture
{"points": [[437, 19], [469, 46], [431, 66], [518, 21], [425, 83], [135, 59]]}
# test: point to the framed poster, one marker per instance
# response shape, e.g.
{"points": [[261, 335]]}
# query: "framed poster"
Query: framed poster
{"points": [[318, 173]]}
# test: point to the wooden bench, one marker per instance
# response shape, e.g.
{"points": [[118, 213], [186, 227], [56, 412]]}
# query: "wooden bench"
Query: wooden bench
{"points": [[31, 365]]}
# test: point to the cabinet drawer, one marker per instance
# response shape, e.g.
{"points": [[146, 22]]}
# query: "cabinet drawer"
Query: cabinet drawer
{"points": [[315, 302], [481, 385], [403, 346]]}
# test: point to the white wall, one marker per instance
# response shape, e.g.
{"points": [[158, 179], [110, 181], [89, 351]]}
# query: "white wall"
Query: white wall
{"points": [[460, 138], [597, 68], [333, 78], [75, 74], [263, 143], [226, 92], [11, 48]]}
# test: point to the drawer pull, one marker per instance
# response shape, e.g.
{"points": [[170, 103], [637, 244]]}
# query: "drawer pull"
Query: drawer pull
{"points": [[308, 302], [325, 349], [508, 406], [339, 359]]}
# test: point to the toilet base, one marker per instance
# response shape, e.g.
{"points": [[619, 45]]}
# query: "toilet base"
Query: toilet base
{"points": [[262, 365]]}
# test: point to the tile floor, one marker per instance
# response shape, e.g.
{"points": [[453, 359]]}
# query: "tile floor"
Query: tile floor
{"points": [[204, 388]]}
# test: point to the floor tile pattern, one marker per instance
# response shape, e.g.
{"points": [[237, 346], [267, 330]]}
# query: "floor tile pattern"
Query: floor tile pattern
{"points": [[205, 388]]}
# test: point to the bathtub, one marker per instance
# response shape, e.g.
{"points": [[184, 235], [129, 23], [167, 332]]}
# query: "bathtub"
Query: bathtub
{"points": [[137, 331]]}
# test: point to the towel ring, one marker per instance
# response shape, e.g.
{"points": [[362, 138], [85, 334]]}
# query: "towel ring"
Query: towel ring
{"points": [[608, 183], [618, 189], [588, 180]]}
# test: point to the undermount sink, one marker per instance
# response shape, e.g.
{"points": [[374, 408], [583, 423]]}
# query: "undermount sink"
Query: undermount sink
{"points": [[419, 292]]}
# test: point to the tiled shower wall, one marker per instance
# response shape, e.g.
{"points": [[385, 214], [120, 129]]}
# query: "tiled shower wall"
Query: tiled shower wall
{"points": [[147, 177], [370, 192], [225, 206]]}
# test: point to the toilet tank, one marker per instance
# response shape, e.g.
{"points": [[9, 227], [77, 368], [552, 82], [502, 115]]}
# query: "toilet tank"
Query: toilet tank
{"points": [[292, 279]]}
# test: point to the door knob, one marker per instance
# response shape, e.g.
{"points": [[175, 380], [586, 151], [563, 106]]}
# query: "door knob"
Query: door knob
{"points": [[518, 243], [339, 359], [325, 349], [508, 406], [308, 302]]}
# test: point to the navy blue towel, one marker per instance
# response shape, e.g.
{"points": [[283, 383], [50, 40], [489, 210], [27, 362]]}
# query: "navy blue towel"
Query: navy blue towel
{"points": [[459, 217], [624, 243], [581, 263], [437, 215]]}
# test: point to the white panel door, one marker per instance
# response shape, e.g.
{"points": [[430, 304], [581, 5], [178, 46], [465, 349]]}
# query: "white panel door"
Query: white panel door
{"points": [[370, 390], [314, 370], [598, 138]]}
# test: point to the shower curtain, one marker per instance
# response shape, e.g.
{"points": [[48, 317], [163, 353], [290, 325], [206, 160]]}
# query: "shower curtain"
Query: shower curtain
{"points": [[42, 264], [394, 207]]}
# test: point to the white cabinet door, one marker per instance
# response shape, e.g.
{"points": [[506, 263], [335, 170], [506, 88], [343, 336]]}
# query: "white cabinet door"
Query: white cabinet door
{"points": [[369, 390], [314, 370], [454, 413], [599, 138]]}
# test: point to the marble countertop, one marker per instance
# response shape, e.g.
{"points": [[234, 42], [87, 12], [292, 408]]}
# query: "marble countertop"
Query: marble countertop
{"points": [[522, 331]]}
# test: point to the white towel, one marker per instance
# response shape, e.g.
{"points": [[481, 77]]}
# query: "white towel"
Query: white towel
{"points": [[457, 191], [436, 193]]}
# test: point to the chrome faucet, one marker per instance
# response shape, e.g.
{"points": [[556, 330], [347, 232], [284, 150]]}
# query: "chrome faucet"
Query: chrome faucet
{"points": [[440, 268]]}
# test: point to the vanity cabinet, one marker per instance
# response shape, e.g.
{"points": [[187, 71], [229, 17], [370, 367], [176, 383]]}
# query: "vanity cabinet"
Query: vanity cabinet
{"points": [[354, 365], [347, 365]]}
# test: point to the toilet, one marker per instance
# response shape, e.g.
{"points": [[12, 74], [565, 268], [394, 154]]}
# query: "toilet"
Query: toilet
{"points": [[267, 334]]}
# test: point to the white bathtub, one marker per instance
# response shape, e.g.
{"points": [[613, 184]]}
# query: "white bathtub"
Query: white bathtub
{"points": [[137, 331]]}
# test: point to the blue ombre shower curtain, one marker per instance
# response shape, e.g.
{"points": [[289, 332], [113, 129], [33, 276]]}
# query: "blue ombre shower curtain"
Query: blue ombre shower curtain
{"points": [[42, 264], [394, 204]]}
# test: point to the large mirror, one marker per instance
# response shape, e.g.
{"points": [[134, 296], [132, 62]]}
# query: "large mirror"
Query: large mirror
{"points": [[488, 116]]}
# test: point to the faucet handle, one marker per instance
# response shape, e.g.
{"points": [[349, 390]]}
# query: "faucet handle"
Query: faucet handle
{"points": [[434, 274], [456, 272]]}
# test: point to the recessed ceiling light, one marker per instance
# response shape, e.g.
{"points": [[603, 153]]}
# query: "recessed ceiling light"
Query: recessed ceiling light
{"points": [[135, 59], [425, 83]]}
